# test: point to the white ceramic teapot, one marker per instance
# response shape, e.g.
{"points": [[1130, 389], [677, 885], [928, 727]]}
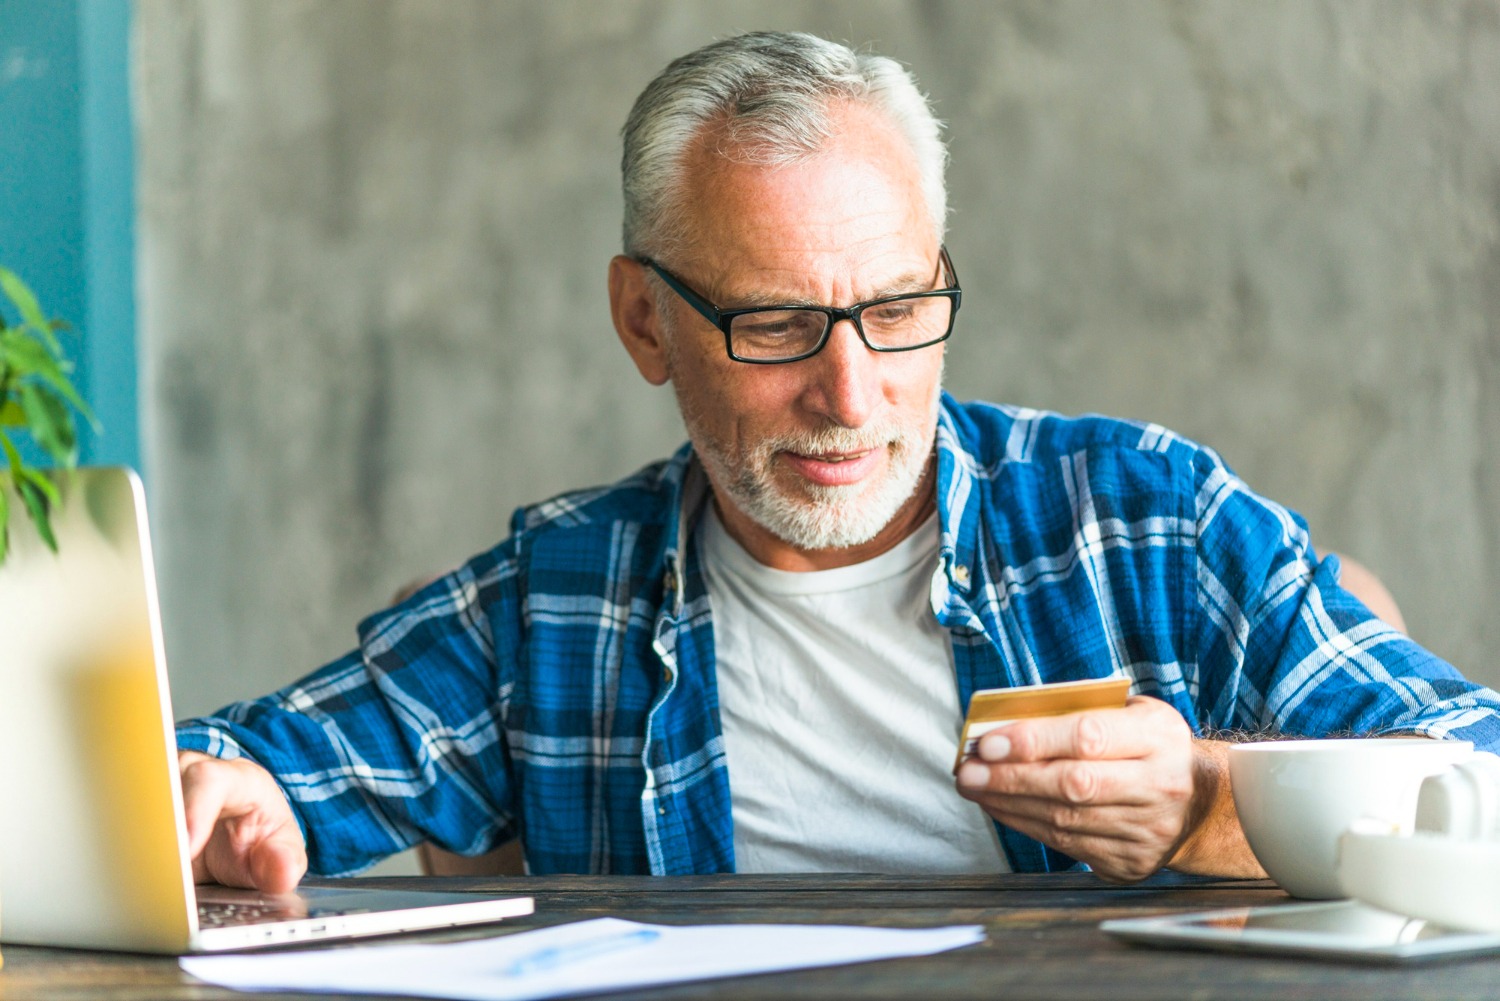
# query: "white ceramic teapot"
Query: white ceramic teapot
{"points": [[1448, 869]]}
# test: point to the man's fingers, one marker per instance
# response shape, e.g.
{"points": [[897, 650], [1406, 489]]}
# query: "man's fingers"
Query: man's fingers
{"points": [[1110, 858], [255, 851], [278, 862], [1093, 734], [1115, 823], [227, 858], [1117, 842], [1071, 782], [241, 831], [1111, 787], [203, 794], [1132, 732]]}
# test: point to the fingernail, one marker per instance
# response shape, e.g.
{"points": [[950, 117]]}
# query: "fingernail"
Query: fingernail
{"points": [[973, 775], [994, 747]]}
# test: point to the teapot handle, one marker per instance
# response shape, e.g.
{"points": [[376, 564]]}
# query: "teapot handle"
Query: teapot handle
{"points": [[1463, 801]]}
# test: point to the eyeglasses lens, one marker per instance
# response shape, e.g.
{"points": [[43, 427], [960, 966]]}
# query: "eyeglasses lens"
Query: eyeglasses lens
{"points": [[896, 324]]}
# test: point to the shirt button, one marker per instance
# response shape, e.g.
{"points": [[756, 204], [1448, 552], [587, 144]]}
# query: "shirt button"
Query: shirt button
{"points": [[961, 575], [666, 675]]}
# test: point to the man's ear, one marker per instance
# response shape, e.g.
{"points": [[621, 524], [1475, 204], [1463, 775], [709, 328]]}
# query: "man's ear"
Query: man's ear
{"points": [[632, 306]]}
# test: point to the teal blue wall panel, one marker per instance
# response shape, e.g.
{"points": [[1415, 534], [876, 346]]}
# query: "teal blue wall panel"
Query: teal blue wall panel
{"points": [[67, 202]]}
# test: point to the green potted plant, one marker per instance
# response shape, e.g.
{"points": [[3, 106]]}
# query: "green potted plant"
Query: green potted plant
{"points": [[37, 401]]}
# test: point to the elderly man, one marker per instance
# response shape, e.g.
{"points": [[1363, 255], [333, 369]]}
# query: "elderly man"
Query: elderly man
{"points": [[755, 655]]}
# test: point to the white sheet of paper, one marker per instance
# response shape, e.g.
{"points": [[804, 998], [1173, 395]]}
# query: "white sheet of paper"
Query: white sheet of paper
{"points": [[480, 969]]}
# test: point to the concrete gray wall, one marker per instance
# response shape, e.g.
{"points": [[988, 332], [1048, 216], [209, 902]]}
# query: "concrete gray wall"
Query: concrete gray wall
{"points": [[373, 240]]}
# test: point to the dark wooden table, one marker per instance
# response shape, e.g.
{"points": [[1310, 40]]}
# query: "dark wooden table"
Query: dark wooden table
{"points": [[1044, 942]]}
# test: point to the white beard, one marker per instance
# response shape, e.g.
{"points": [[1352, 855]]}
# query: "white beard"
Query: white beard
{"points": [[822, 517]]}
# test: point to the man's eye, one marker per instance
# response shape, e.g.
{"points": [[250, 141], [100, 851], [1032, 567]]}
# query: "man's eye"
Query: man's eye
{"points": [[791, 324], [889, 313], [770, 328]]}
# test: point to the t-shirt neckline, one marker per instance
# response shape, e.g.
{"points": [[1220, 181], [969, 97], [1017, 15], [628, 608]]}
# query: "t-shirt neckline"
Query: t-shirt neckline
{"points": [[723, 553]]}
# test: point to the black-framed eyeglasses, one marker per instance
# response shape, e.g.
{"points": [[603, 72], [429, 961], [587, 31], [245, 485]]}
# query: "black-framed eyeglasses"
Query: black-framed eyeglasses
{"points": [[771, 335]]}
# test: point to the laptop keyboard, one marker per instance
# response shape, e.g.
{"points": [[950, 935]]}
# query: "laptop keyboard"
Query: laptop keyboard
{"points": [[218, 914]]}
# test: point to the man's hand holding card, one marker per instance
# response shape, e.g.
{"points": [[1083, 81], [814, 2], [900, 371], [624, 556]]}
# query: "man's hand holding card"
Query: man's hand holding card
{"points": [[993, 708], [1116, 782]]}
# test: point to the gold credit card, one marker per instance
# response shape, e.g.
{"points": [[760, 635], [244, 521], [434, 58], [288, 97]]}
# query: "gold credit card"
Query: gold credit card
{"points": [[992, 708]]}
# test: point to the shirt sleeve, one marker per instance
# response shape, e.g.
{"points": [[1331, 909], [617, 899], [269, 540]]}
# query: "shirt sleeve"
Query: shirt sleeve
{"points": [[402, 739], [1283, 648]]}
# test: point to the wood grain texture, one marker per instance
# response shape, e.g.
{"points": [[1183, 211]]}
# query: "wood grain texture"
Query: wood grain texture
{"points": [[1044, 941]]}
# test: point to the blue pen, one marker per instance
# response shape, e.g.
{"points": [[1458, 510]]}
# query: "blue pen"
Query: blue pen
{"points": [[552, 957]]}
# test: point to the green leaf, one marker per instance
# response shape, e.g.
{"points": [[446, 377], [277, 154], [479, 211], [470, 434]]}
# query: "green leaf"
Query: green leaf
{"points": [[39, 479], [50, 423], [13, 458], [20, 294], [38, 493], [65, 389], [25, 358], [24, 299], [25, 355], [36, 501], [35, 397]]}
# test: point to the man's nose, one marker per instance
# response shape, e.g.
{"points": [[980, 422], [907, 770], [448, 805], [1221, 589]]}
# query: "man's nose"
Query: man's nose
{"points": [[846, 387]]}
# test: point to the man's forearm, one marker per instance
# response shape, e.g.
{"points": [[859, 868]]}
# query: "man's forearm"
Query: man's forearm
{"points": [[1215, 844]]}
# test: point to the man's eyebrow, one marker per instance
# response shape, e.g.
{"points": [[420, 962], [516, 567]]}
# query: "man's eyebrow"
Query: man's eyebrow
{"points": [[758, 300], [905, 284]]}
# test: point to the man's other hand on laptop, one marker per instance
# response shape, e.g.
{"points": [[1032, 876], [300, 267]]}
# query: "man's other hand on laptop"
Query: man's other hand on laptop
{"points": [[241, 831]]}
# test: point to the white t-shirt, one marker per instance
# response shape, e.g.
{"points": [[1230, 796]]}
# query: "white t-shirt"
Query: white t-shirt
{"points": [[841, 718]]}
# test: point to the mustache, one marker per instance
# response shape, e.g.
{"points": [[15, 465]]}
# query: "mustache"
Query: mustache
{"points": [[839, 439], [902, 436]]}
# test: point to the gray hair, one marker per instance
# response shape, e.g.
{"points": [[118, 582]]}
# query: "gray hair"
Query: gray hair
{"points": [[770, 92]]}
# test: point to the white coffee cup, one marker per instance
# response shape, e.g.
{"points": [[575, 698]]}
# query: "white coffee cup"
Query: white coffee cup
{"points": [[1296, 797]]}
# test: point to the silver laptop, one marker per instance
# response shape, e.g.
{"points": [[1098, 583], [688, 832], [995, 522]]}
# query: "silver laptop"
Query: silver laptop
{"points": [[93, 844]]}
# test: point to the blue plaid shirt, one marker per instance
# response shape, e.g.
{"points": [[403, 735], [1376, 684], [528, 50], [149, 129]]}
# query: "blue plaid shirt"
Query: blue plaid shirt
{"points": [[561, 686]]}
